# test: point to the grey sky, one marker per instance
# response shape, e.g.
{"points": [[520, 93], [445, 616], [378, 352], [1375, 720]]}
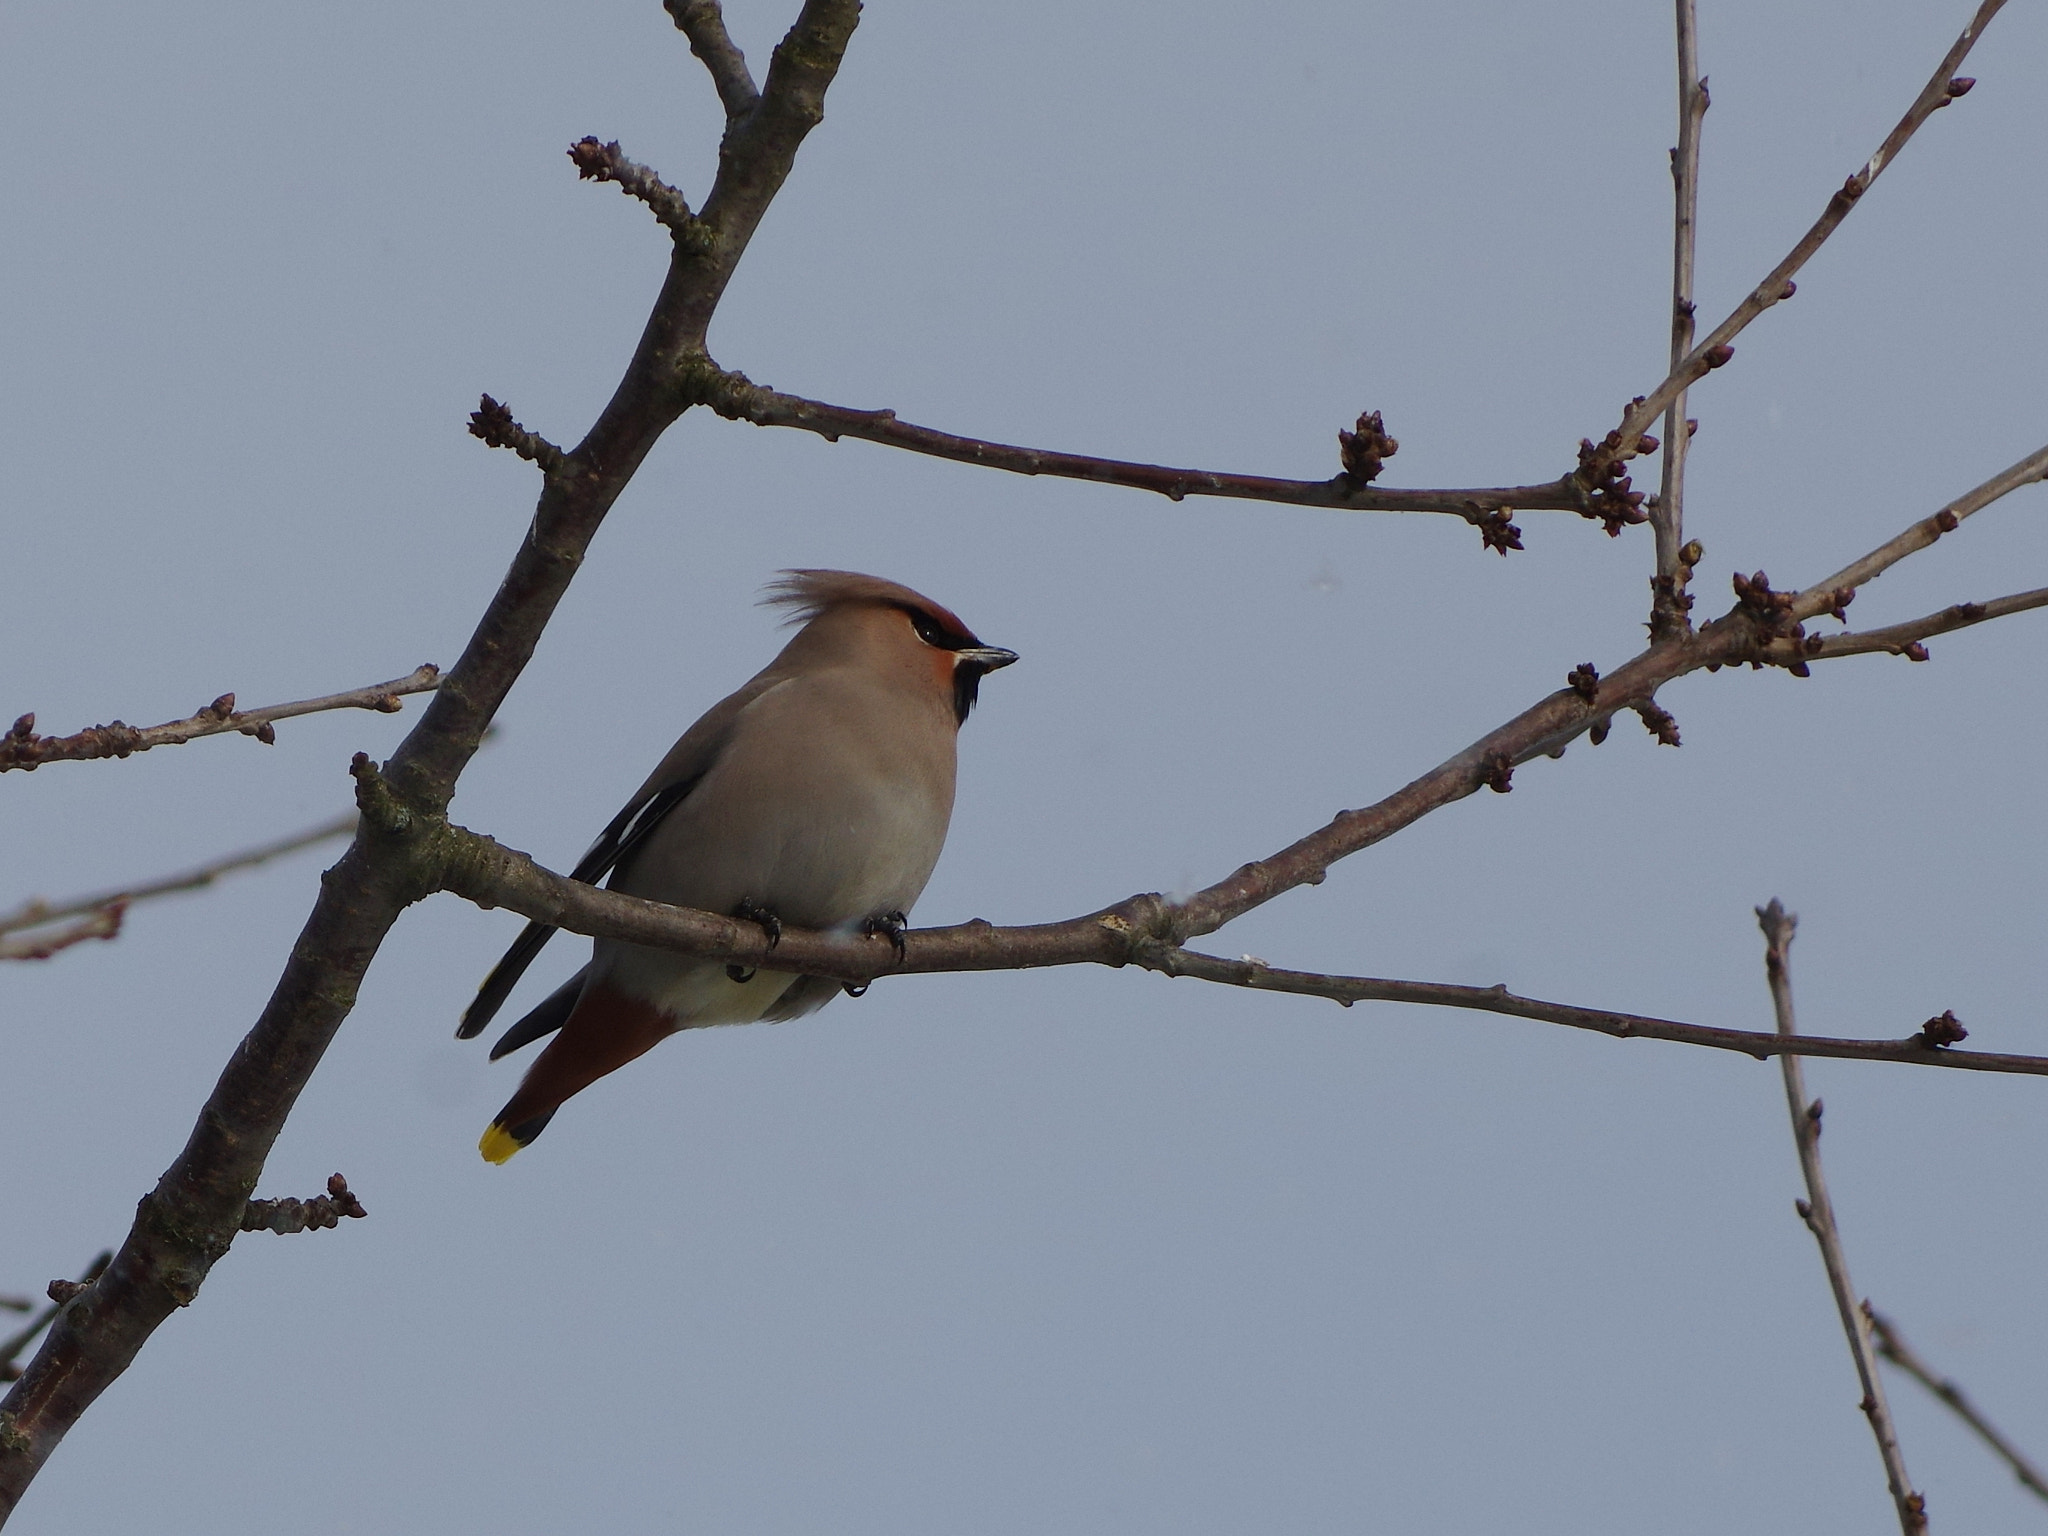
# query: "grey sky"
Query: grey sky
{"points": [[1076, 1250]]}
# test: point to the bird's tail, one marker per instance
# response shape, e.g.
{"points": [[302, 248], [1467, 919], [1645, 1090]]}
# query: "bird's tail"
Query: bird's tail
{"points": [[607, 1029]]}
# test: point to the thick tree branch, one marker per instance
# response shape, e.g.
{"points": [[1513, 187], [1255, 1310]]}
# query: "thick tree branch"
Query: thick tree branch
{"points": [[38, 913], [1892, 1346], [22, 748], [15, 1343], [1669, 602], [1942, 87], [1818, 1212], [187, 1222], [735, 397]]}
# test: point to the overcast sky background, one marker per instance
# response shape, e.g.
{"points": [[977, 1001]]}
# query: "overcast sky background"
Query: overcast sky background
{"points": [[1071, 1250]]}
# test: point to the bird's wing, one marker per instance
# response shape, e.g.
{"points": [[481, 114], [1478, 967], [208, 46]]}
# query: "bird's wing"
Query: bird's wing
{"points": [[666, 788]]}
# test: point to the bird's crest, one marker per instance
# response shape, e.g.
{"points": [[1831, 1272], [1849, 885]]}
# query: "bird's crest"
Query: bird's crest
{"points": [[807, 594]]}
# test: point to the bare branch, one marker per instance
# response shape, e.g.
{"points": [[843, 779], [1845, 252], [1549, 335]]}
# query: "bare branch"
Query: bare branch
{"points": [[15, 1343], [1892, 1346], [490, 874], [1818, 1212], [22, 748], [735, 397], [606, 162], [186, 1223], [1822, 596], [1904, 639], [1670, 603], [1942, 87], [492, 423], [102, 924], [37, 913], [704, 24], [282, 1216]]}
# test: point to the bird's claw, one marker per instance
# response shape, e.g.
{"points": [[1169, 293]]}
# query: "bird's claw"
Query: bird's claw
{"points": [[752, 911], [891, 926]]}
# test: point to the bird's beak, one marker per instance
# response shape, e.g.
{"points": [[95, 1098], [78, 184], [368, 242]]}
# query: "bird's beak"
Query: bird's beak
{"points": [[989, 658]]}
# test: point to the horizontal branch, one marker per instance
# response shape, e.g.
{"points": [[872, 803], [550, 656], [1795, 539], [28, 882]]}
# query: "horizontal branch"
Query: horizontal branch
{"points": [[492, 875], [1942, 87], [735, 397], [22, 748], [1257, 975], [322, 1211], [38, 913]]}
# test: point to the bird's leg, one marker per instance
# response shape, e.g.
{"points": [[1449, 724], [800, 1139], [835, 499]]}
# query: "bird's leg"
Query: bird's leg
{"points": [[752, 911], [891, 926]]}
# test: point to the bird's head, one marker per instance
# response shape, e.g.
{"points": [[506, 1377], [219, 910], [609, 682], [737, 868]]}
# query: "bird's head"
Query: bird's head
{"points": [[887, 625]]}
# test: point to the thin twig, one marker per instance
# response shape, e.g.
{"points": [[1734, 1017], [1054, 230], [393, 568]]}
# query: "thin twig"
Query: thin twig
{"points": [[102, 924], [1821, 597], [1818, 1212], [607, 162], [1670, 603], [1942, 87], [322, 1211], [21, 747], [1892, 1346], [37, 912], [737, 398], [703, 23], [1904, 639]]}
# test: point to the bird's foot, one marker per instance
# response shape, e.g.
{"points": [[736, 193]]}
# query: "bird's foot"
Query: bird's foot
{"points": [[891, 926], [752, 911]]}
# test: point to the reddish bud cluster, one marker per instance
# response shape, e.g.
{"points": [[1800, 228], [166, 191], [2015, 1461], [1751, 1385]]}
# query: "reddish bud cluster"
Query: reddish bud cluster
{"points": [[1497, 530], [1497, 772], [1944, 1029], [304, 1215], [1365, 449], [1659, 723], [1584, 680], [1608, 497], [1771, 613]]}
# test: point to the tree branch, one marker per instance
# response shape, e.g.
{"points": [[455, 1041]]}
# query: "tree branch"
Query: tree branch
{"points": [[735, 397], [36, 913], [1892, 1346], [22, 748], [1669, 603], [1818, 1212], [15, 1343], [1942, 87], [187, 1222], [1904, 639], [1822, 596], [607, 162], [704, 24]]}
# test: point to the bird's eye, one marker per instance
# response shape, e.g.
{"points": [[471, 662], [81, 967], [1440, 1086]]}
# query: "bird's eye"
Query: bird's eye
{"points": [[929, 632]]}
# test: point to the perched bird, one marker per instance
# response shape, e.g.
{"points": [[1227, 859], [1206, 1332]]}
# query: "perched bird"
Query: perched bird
{"points": [[818, 796]]}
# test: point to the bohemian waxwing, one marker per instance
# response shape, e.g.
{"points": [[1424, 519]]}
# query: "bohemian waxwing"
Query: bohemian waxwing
{"points": [[818, 796]]}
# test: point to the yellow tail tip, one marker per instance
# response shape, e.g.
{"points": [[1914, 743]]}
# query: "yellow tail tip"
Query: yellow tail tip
{"points": [[497, 1144]]}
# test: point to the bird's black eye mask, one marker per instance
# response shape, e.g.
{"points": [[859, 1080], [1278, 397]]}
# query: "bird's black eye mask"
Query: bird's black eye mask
{"points": [[934, 633]]}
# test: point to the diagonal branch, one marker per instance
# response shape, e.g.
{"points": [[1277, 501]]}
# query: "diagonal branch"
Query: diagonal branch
{"points": [[36, 913], [1670, 604], [735, 397], [186, 1223], [1904, 639], [1818, 1212], [1821, 597], [22, 748], [15, 1343], [1942, 87], [704, 24], [1892, 1346]]}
